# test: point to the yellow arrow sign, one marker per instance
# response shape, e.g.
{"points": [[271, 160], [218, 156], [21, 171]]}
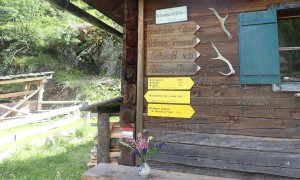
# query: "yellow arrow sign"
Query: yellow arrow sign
{"points": [[178, 83], [182, 97], [166, 110]]}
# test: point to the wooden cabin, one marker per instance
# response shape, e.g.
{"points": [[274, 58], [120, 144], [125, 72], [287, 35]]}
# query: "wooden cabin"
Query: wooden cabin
{"points": [[217, 80]]}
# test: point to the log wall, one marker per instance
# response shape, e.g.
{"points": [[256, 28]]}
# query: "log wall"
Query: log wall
{"points": [[129, 68], [237, 131]]}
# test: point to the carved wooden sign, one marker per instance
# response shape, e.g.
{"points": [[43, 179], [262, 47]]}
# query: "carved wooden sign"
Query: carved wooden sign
{"points": [[167, 110], [172, 69], [183, 28], [159, 42], [168, 83], [172, 55], [173, 97]]}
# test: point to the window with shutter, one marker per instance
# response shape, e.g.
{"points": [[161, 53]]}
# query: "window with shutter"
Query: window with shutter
{"points": [[258, 42]]}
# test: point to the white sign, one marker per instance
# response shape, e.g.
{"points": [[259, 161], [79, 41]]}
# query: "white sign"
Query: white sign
{"points": [[176, 14]]}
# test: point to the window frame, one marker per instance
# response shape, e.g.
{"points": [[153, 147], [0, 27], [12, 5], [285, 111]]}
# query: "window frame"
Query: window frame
{"points": [[285, 86]]}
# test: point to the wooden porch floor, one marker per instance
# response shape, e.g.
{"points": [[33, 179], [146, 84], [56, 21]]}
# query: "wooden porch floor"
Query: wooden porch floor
{"points": [[105, 171]]}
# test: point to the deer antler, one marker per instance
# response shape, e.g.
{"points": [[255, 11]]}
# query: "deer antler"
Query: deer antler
{"points": [[222, 21], [220, 57]]}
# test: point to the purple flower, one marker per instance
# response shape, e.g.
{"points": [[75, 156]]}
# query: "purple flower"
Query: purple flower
{"points": [[142, 147], [161, 145]]}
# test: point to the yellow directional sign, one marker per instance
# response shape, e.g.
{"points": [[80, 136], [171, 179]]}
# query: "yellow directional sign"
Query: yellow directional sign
{"points": [[179, 97], [176, 83], [167, 110]]}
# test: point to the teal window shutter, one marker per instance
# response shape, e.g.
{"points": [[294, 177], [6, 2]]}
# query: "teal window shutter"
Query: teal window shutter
{"points": [[259, 52]]}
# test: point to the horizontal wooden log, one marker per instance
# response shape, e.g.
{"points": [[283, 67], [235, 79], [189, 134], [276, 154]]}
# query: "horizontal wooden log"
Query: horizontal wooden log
{"points": [[23, 80], [206, 50], [216, 80], [238, 91], [59, 102], [246, 101], [249, 161], [37, 117], [242, 111], [15, 94], [260, 127], [214, 172], [280, 145], [215, 33], [216, 71], [205, 60], [196, 10]]}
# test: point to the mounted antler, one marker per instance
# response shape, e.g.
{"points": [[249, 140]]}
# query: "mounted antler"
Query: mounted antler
{"points": [[222, 21], [220, 57]]}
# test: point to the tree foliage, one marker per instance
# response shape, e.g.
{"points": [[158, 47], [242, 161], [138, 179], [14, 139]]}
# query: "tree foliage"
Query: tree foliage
{"points": [[34, 35]]}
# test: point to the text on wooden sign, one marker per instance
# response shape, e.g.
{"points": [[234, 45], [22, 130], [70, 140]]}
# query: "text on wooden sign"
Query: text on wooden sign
{"points": [[173, 97], [187, 41], [168, 83], [172, 55], [183, 28], [166, 110], [172, 68]]}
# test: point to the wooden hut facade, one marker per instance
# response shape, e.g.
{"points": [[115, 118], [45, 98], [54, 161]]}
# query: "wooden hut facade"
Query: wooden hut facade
{"points": [[205, 76]]}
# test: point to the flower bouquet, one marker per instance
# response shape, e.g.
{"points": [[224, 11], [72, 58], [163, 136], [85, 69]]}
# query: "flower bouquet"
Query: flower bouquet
{"points": [[143, 148]]}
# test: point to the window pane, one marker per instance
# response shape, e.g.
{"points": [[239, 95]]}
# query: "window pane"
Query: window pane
{"points": [[289, 36]]}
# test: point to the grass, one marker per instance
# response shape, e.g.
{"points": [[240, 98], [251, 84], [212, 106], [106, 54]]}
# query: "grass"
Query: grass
{"points": [[62, 160], [58, 158], [29, 139]]}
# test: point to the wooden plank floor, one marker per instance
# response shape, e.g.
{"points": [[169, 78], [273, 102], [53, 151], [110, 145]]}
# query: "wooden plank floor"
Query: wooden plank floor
{"points": [[105, 171]]}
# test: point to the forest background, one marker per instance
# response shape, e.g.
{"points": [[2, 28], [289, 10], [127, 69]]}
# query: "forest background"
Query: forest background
{"points": [[35, 36]]}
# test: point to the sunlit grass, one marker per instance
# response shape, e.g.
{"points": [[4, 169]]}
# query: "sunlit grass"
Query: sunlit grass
{"points": [[51, 155]]}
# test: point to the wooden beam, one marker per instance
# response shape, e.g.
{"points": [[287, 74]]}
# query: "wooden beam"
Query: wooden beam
{"points": [[37, 117], [66, 5], [40, 95], [12, 109], [111, 13], [103, 138], [140, 69], [11, 81], [15, 94], [19, 104], [59, 102]]}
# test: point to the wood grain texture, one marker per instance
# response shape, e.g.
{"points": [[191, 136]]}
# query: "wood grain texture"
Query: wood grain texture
{"points": [[237, 130], [283, 145], [214, 172], [130, 73], [233, 125], [103, 138], [220, 158]]}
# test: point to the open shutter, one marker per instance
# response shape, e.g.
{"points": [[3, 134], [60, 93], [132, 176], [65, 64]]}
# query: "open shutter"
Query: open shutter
{"points": [[258, 43]]}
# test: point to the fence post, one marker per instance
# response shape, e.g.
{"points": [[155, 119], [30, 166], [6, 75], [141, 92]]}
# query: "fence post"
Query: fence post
{"points": [[103, 138]]}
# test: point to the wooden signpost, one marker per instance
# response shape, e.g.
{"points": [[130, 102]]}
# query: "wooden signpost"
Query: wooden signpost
{"points": [[183, 28], [168, 83], [163, 69], [172, 55], [158, 42], [171, 52], [173, 97], [166, 110]]}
